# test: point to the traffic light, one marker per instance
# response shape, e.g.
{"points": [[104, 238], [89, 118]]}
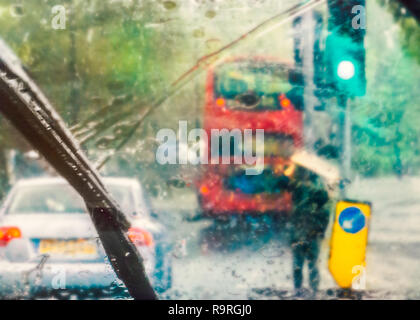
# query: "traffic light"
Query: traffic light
{"points": [[345, 51]]}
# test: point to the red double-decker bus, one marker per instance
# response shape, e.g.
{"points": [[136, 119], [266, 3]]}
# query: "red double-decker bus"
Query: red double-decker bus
{"points": [[256, 93]]}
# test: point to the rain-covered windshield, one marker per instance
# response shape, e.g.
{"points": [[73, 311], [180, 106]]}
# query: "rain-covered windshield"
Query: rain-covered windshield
{"points": [[276, 143]]}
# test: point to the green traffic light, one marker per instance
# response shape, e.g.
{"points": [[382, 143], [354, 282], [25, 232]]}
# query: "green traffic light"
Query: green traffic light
{"points": [[346, 64], [346, 70]]}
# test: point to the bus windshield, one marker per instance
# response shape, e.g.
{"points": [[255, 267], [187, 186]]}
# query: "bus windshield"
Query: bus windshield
{"points": [[252, 85]]}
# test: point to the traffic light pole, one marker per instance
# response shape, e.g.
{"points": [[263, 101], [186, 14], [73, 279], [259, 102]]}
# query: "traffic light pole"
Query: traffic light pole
{"points": [[344, 141], [307, 36]]}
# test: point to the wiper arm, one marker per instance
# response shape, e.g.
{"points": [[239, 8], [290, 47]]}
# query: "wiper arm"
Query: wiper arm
{"points": [[26, 107]]}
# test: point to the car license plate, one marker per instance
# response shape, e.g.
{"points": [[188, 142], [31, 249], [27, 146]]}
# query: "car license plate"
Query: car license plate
{"points": [[67, 247]]}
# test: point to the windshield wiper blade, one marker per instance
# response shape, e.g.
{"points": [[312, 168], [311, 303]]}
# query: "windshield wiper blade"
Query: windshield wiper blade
{"points": [[26, 107]]}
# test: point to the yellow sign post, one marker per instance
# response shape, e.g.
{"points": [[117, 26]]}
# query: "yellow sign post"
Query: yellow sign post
{"points": [[349, 241]]}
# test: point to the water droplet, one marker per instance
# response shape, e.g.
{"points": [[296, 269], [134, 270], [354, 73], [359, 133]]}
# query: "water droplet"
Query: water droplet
{"points": [[210, 14], [17, 11], [198, 33], [169, 5]]}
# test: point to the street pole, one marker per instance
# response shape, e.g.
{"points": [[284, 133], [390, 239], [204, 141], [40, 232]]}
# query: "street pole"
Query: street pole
{"points": [[307, 34], [344, 140], [347, 143], [306, 37]]}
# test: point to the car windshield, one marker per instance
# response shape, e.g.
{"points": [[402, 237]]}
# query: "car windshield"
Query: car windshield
{"points": [[49, 199], [61, 198]]}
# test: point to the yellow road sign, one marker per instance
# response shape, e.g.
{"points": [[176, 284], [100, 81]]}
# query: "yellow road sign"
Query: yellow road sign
{"points": [[349, 241]]}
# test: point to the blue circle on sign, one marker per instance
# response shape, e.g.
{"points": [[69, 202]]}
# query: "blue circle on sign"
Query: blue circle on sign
{"points": [[352, 220]]}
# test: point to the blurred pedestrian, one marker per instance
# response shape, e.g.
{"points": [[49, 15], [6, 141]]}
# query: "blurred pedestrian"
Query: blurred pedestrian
{"points": [[308, 222]]}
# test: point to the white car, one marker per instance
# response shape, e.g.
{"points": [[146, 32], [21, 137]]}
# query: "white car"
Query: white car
{"points": [[49, 244]]}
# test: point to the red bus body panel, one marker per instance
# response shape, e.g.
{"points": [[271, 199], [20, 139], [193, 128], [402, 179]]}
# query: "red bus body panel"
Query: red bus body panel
{"points": [[216, 200]]}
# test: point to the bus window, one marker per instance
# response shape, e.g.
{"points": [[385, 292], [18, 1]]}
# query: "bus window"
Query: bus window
{"points": [[253, 86]]}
